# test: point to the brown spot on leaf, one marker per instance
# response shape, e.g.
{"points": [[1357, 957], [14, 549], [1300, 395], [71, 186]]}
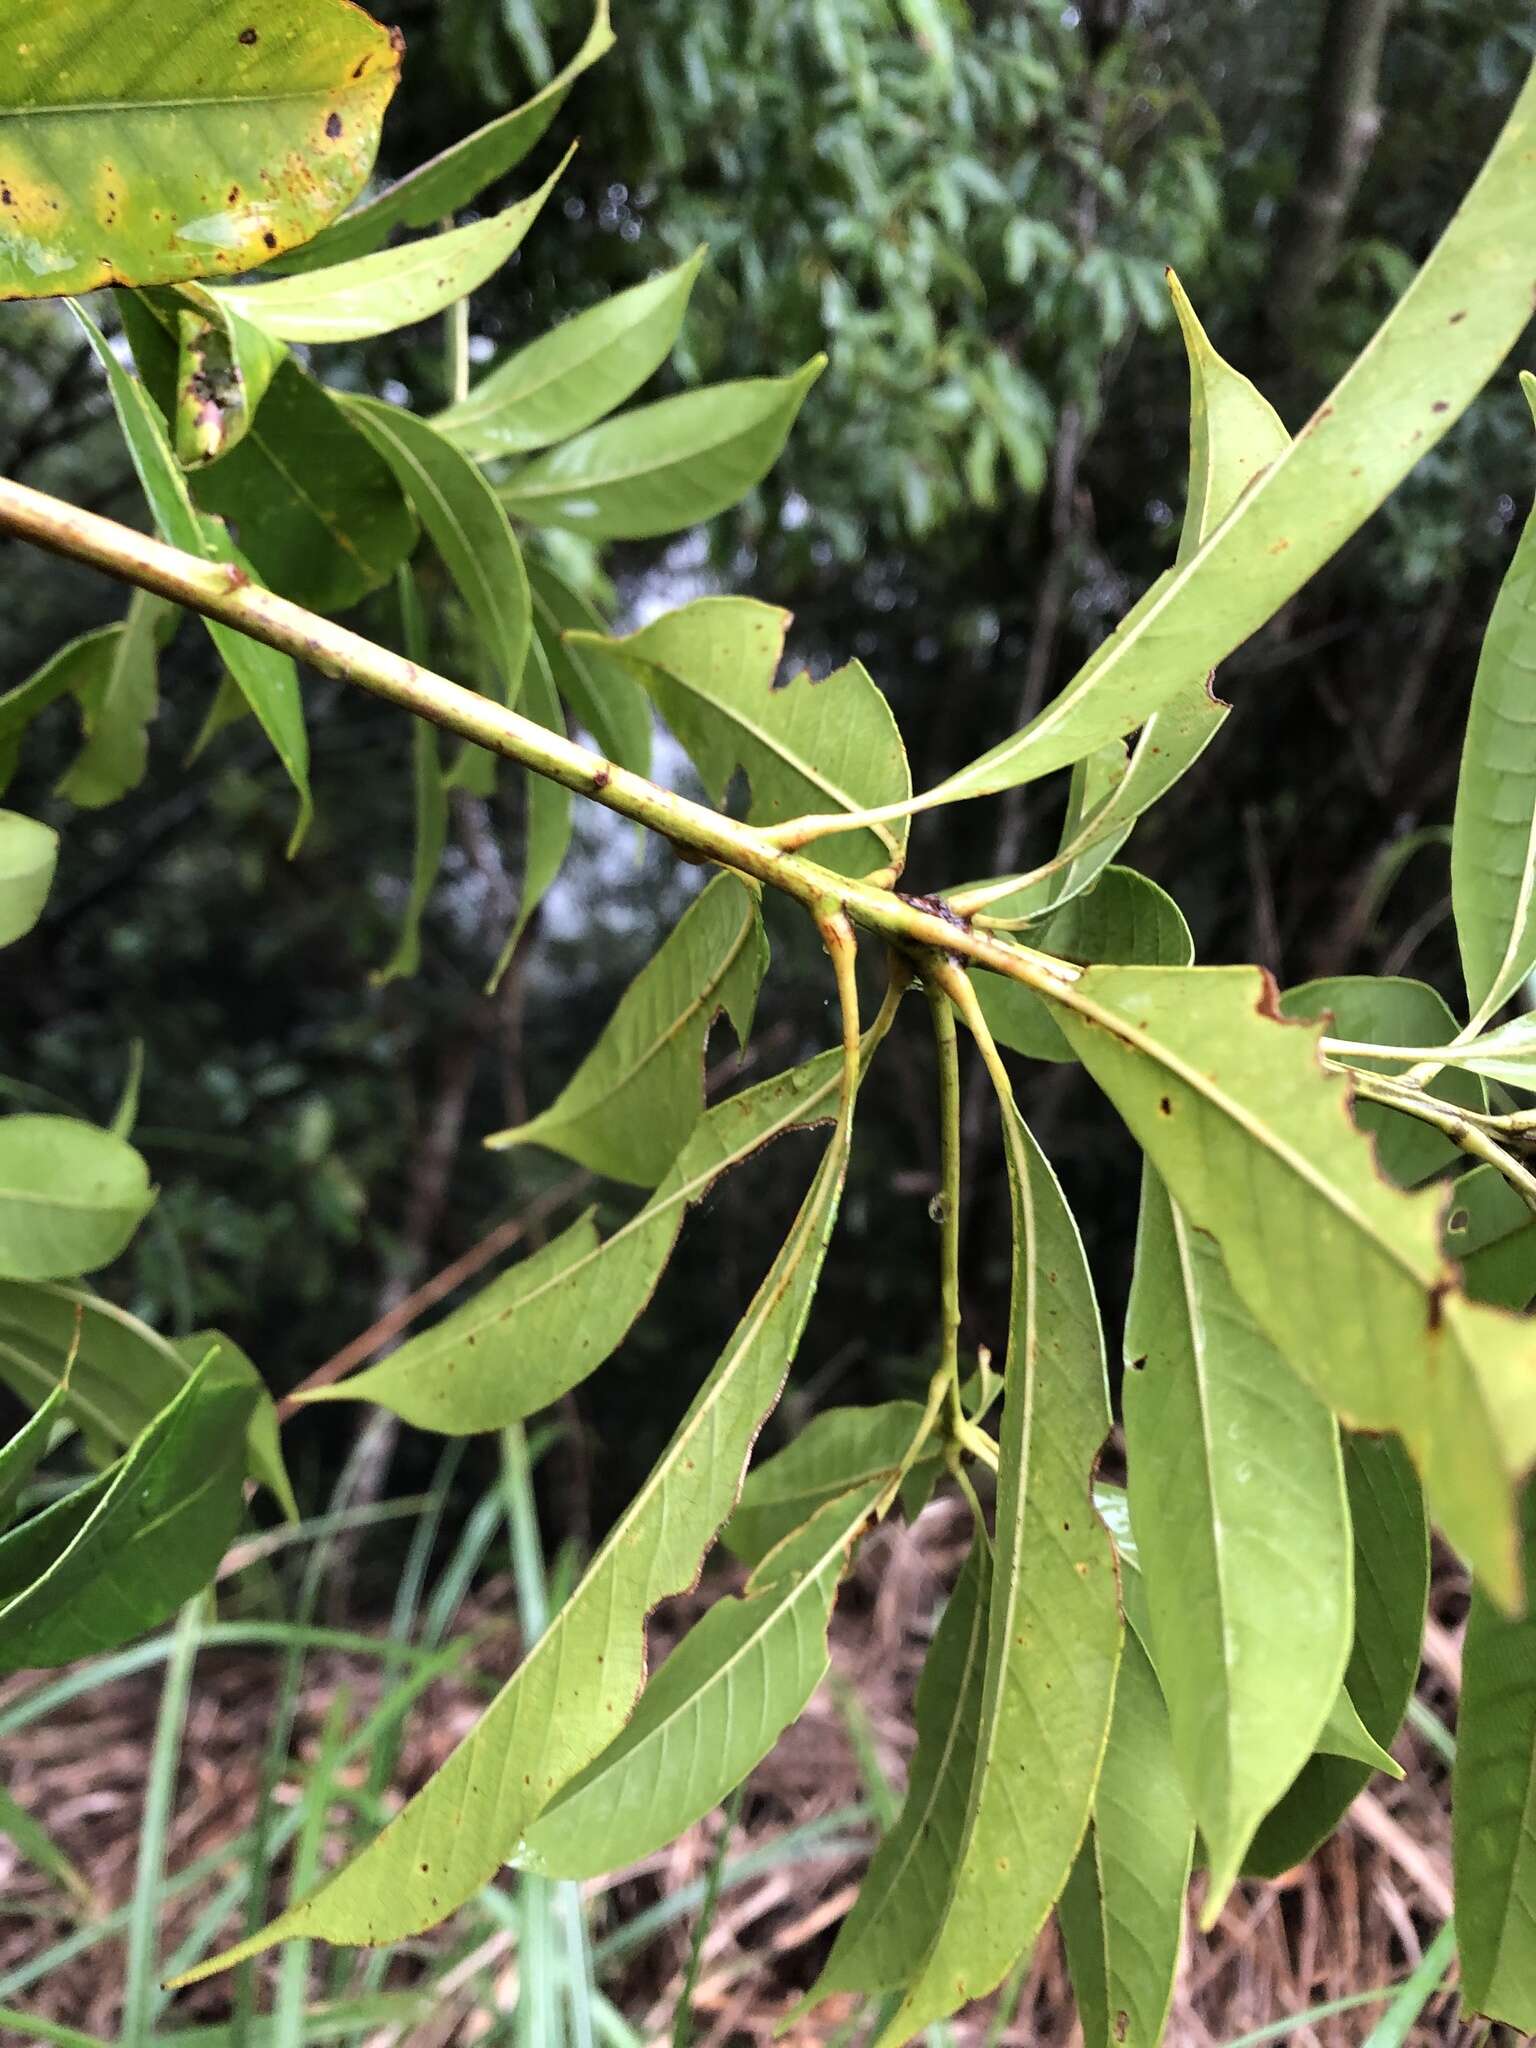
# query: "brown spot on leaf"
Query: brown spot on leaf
{"points": [[247, 36], [270, 239], [1165, 1107], [333, 125], [1436, 1314], [1122, 2025], [1278, 547], [1136, 1364], [6, 196], [232, 195], [1457, 316], [1268, 1004], [397, 41], [1441, 405]]}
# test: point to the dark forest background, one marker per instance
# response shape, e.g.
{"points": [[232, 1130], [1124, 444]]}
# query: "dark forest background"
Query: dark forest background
{"points": [[970, 208]]}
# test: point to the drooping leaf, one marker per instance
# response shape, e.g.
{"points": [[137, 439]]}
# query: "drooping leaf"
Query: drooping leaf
{"points": [[1491, 1234], [119, 703], [571, 1694], [1256, 1146], [833, 746], [71, 1196], [575, 374], [1433, 354], [715, 1708], [1053, 1626], [266, 678], [1236, 1493], [141, 146], [1345, 1734], [393, 288], [600, 690], [152, 1529], [263, 1443], [1493, 837], [29, 852], [837, 1451], [429, 801], [1079, 861], [517, 1345], [628, 1109], [1387, 1010], [909, 1876], [20, 1456], [1391, 1587], [1494, 1807], [546, 811], [665, 466], [1123, 918], [468, 528], [456, 175], [1122, 1913], [72, 670], [224, 368]]}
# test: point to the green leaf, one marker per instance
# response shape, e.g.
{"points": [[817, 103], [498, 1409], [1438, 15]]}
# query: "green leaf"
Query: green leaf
{"points": [[143, 146], [71, 1196], [665, 466], [519, 1344], [224, 368], [468, 528], [33, 1843], [119, 703], [1236, 1494], [1387, 1010], [29, 852], [905, 1887], [429, 802], [452, 179], [1494, 1807], [121, 1553], [263, 1443], [1493, 838], [712, 668], [576, 373], [601, 691], [546, 811], [1491, 1234], [570, 1695], [1123, 918], [628, 1109], [838, 1450], [73, 669], [267, 679], [1122, 1913], [1053, 1626], [714, 1709], [1256, 1146], [1391, 1587], [20, 1456], [1345, 1734], [1507, 1053], [393, 288], [1428, 361]]}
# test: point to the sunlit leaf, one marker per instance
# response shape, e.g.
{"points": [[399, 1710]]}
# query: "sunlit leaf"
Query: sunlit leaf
{"points": [[576, 373], [392, 288], [837, 1451], [143, 145], [1494, 1807], [29, 852], [600, 690], [71, 1196], [714, 1709], [1256, 1146], [1122, 1913], [712, 668], [1236, 1494], [665, 466], [628, 1109]]}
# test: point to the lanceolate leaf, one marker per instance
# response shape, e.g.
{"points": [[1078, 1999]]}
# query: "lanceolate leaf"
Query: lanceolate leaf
{"points": [[666, 466], [546, 811], [29, 852], [576, 373], [715, 1708], [393, 288], [19, 1458], [518, 1345], [1494, 1808], [1256, 1147], [574, 1690], [1391, 1541], [468, 528], [837, 1451], [71, 1196], [452, 179], [118, 706], [1437, 349], [155, 1525], [712, 667], [1491, 1234], [1506, 1054], [267, 679], [1345, 1734], [1122, 1913], [1237, 1498], [908, 1881], [74, 668], [36, 1846], [628, 1109], [1493, 839], [1053, 1626], [429, 801], [144, 145], [1123, 918], [600, 690]]}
